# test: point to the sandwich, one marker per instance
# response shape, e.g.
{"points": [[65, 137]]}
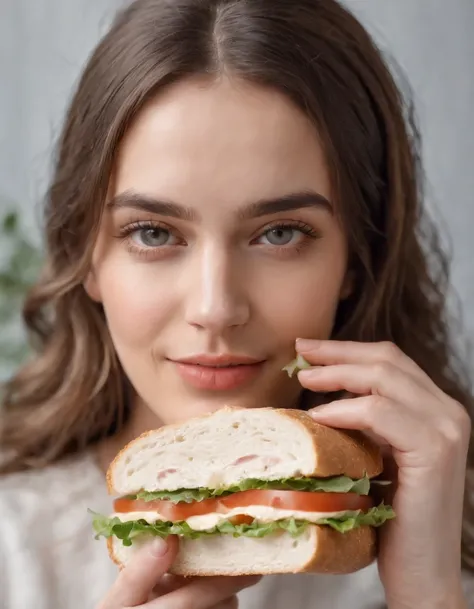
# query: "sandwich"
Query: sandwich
{"points": [[248, 491]]}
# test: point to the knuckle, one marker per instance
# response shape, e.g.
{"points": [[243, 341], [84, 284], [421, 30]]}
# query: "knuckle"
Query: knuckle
{"points": [[441, 447], [445, 441], [389, 351], [463, 420], [452, 435], [382, 369], [374, 405], [457, 429]]}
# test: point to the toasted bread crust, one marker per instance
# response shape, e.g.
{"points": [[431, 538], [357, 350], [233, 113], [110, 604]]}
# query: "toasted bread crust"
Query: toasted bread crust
{"points": [[340, 553], [334, 553], [110, 548], [339, 451]]}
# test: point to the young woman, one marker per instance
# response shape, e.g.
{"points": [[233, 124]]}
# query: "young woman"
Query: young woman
{"points": [[234, 175]]}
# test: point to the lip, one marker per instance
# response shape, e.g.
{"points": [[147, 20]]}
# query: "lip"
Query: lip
{"points": [[222, 359], [218, 372]]}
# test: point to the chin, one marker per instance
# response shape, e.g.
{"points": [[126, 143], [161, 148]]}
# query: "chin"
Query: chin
{"points": [[199, 406], [192, 407], [181, 411]]}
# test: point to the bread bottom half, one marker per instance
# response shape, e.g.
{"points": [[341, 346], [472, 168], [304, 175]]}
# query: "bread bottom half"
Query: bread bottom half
{"points": [[319, 549]]}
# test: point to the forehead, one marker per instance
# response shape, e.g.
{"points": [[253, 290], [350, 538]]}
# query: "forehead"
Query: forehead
{"points": [[201, 141]]}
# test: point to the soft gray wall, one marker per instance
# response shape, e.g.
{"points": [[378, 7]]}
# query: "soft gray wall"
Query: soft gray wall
{"points": [[43, 44]]}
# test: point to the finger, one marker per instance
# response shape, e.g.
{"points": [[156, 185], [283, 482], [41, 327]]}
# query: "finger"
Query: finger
{"points": [[204, 592], [402, 428], [327, 352], [230, 603], [137, 580], [382, 379], [382, 493], [168, 583]]}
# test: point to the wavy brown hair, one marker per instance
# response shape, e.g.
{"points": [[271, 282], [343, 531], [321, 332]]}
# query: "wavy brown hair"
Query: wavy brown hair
{"points": [[72, 393]]}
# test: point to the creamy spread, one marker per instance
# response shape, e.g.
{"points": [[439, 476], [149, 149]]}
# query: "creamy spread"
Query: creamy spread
{"points": [[261, 513]]}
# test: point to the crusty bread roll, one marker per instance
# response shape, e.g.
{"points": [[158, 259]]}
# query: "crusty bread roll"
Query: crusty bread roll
{"points": [[318, 550], [233, 444]]}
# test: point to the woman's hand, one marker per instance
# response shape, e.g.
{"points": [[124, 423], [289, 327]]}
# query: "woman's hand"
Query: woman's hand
{"points": [[144, 583], [427, 435]]}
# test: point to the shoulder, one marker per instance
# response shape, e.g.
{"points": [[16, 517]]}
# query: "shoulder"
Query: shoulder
{"points": [[51, 503], [47, 536], [35, 494]]}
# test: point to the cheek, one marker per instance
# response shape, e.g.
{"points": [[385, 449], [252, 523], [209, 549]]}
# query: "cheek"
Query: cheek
{"points": [[136, 302], [302, 302]]}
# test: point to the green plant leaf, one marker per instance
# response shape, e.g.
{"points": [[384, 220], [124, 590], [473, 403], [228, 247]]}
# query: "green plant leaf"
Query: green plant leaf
{"points": [[18, 271], [10, 223], [296, 365]]}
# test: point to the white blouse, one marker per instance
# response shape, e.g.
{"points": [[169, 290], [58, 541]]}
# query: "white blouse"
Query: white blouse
{"points": [[49, 558]]}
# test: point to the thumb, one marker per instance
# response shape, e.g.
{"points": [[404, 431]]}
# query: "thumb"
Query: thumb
{"points": [[137, 580]]}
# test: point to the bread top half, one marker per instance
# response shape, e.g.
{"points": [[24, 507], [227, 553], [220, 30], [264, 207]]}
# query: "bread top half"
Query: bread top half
{"points": [[233, 444]]}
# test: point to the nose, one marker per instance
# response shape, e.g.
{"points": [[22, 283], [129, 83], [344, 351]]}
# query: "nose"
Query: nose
{"points": [[216, 298]]}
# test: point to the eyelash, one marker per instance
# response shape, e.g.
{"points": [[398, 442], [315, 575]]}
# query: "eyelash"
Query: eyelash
{"points": [[304, 228], [127, 231]]}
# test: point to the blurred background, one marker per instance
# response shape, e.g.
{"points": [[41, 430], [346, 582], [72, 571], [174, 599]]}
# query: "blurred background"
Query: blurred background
{"points": [[44, 43]]}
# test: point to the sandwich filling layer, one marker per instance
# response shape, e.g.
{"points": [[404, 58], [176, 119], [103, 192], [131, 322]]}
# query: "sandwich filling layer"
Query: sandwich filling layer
{"points": [[253, 508]]}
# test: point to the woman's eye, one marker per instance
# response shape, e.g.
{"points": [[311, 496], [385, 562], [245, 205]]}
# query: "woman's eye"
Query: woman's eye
{"points": [[281, 236], [153, 237]]}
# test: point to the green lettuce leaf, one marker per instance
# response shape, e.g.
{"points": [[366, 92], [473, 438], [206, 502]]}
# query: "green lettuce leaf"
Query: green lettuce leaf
{"points": [[127, 531], [296, 365], [181, 495], [375, 517], [337, 484]]}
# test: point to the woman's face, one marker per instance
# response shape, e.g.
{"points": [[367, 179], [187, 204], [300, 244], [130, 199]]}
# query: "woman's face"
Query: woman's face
{"points": [[218, 248]]}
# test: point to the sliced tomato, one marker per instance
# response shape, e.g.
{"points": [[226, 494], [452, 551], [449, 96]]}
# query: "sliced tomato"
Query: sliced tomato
{"points": [[169, 510], [299, 501], [241, 519]]}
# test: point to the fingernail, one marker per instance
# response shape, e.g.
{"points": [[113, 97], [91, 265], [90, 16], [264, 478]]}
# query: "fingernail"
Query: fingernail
{"points": [[158, 547], [318, 410], [306, 344], [309, 373]]}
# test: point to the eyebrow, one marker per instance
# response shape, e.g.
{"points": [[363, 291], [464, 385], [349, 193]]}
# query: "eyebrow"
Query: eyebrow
{"points": [[257, 209], [289, 202], [134, 200]]}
